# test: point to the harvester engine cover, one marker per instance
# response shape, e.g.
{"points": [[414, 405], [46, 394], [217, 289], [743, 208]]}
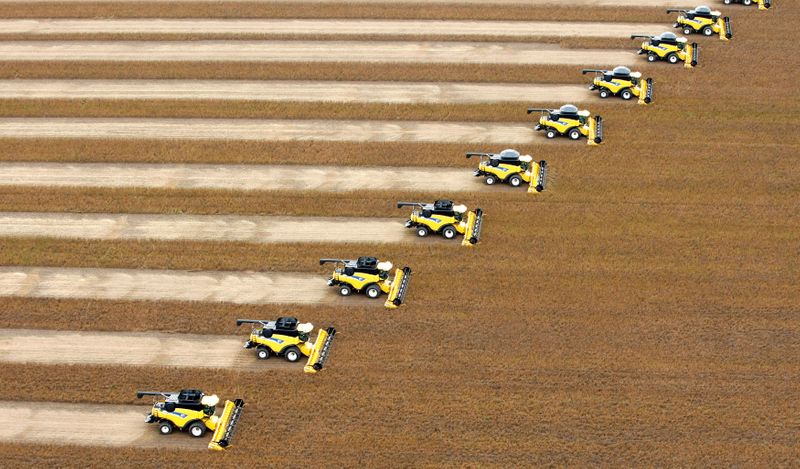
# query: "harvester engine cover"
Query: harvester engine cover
{"points": [[369, 276], [510, 167], [445, 218]]}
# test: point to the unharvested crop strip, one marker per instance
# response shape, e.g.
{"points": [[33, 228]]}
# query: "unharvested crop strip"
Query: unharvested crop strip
{"points": [[157, 285], [292, 91], [202, 228], [519, 53], [328, 27]]}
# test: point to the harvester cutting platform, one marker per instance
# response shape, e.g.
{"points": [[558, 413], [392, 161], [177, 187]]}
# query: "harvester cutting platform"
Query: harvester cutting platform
{"points": [[512, 168], [704, 21], [667, 46], [445, 218], [568, 121], [288, 338], [369, 276], [623, 83], [193, 411]]}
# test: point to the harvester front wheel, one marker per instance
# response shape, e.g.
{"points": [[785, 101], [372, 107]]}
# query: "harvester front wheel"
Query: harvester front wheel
{"points": [[165, 428], [574, 134], [652, 57], [673, 58], [747, 2], [262, 353], [515, 180], [727, 2], [197, 429], [604, 93], [687, 30], [626, 94], [449, 232], [292, 354], [551, 133], [373, 291], [491, 180], [708, 31], [345, 290], [422, 231]]}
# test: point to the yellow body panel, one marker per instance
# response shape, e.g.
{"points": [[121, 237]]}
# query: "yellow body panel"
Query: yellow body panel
{"points": [[181, 417], [360, 280], [278, 342], [563, 125], [226, 425], [437, 222]]}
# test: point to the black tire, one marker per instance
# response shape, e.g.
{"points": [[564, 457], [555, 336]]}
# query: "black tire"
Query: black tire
{"points": [[708, 31], [165, 427], [673, 58], [197, 429], [449, 232], [515, 180], [688, 30], [169, 406], [262, 352], [604, 93], [747, 2], [423, 231], [727, 2], [574, 134], [652, 57], [491, 180], [551, 133], [292, 354], [372, 291], [345, 290], [626, 94]]}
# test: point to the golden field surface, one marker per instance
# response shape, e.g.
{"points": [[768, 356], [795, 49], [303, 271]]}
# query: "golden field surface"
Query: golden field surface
{"points": [[641, 311]]}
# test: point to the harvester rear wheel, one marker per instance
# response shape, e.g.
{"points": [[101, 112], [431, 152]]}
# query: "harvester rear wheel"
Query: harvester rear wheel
{"points": [[515, 180], [626, 94], [673, 58], [373, 291], [292, 354], [604, 93], [422, 231], [491, 180], [197, 429], [652, 57], [448, 232], [574, 134], [262, 353], [165, 428], [345, 290], [708, 31]]}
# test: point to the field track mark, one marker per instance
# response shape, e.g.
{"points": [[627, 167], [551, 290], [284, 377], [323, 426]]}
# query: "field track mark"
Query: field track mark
{"points": [[519, 53], [86, 425], [256, 229], [132, 349], [293, 91], [240, 177], [165, 285], [328, 27]]}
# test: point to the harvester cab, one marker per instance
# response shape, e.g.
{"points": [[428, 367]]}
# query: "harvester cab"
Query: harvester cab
{"points": [[510, 167], [369, 276], [193, 411], [445, 218], [623, 83], [290, 339], [570, 122], [667, 46], [704, 21]]}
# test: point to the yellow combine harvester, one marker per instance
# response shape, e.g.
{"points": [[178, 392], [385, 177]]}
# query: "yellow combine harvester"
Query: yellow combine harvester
{"points": [[623, 83], [512, 168], [289, 339], [445, 218], [570, 122], [762, 4], [667, 46], [193, 411], [704, 21], [369, 276]]}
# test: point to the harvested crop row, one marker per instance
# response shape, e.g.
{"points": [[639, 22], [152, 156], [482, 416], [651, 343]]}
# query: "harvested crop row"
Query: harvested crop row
{"points": [[203, 228], [132, 349]]}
